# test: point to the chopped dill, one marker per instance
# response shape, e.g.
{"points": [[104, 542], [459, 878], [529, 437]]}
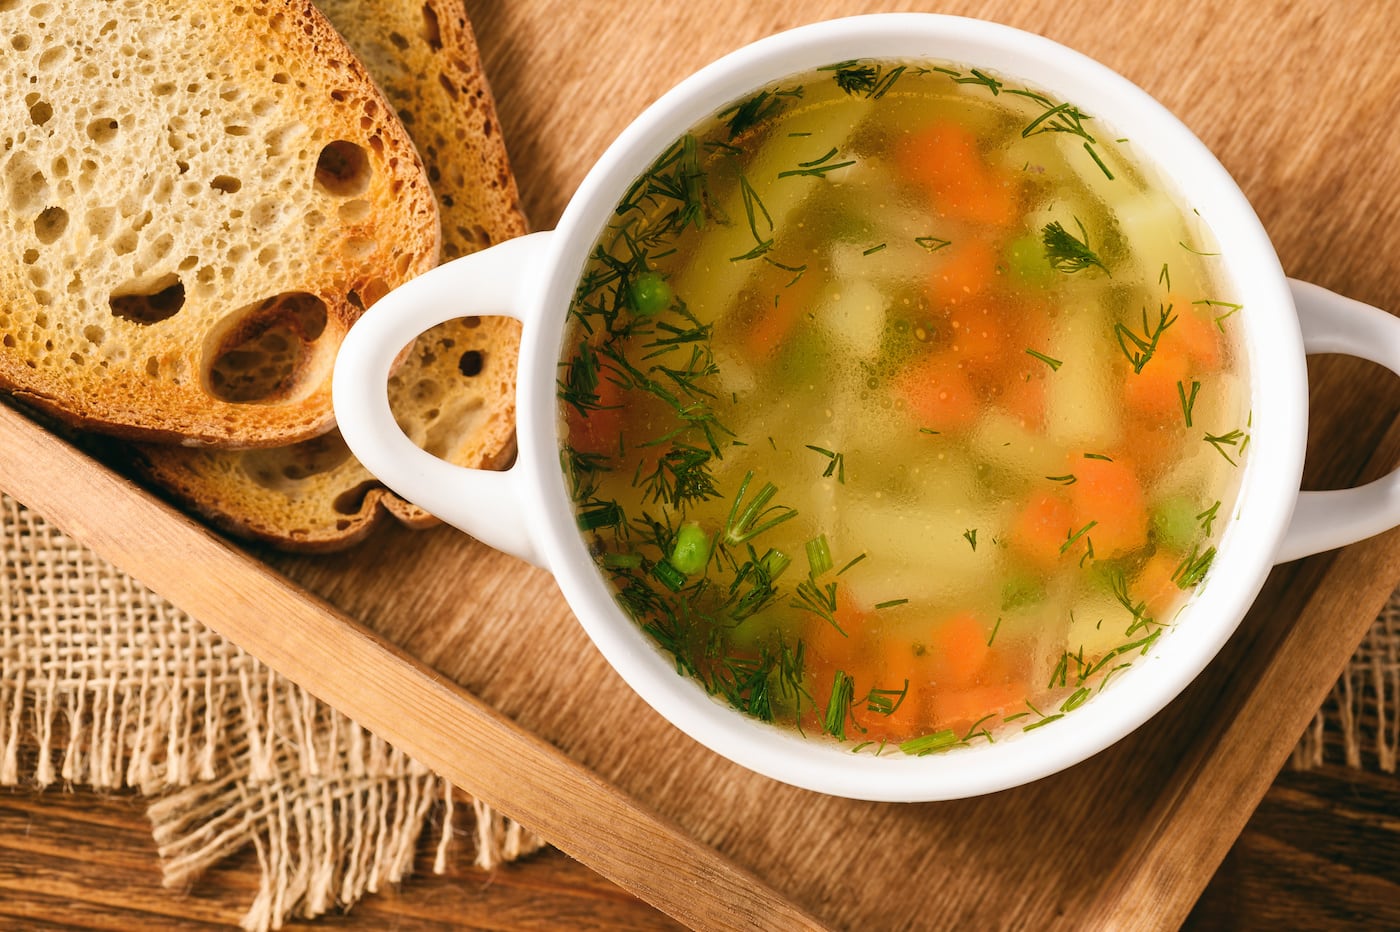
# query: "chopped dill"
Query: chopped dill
{"points": [[1196, 251], [1232, 308], [970, 535], [929, 430], [1067, 479], [1165, 276], [1098, 456], [747, 114], [1193, 568], [891, 603], [745, 525], [874, 249], [818, 556], [932, 743], [818, 166], [1188, 402], [865, 80], [837, 464], [886, 701], [838, 707], [1053, 363], [597, 515], [1145, 346], [1067, 253], [1207, 517], [851, 562], [1073, 537], [995, 628], [1235, 437], [932, 243]]}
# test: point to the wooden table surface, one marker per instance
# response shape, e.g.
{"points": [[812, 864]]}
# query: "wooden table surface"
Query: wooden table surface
{"points": [[1311, 75], [1321, 852]]}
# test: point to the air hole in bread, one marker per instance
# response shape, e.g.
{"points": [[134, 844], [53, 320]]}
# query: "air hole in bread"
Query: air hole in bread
{"points": [[102, 130], [149, 301], [31, 256], [94, 334], [40, 112], [343, 169], [20, 43], [259, 353], [50, 224], [432, 32], [280, 468], [471, 363], [398, 41], [351, 501], [225, 183]]}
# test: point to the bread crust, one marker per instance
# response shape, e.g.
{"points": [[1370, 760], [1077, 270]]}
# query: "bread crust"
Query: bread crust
{"points": [[203, 197], [455, 392]]}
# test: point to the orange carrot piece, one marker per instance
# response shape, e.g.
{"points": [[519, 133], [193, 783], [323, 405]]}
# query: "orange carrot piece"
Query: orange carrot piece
{"points": [[1194, 332], [1042, 529], [1152, 393], [958, 649], [945, 161], [597, 430], [937, 393], [778, 318], [1110, 494], [1154, 586], [964, 270]]}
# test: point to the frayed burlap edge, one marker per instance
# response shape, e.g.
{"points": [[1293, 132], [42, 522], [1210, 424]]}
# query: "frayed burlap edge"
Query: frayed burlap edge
{"points": [[103, 684], [1360, 721]]}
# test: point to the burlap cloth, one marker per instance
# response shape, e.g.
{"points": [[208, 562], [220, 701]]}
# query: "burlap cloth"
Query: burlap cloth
{"points": [[104, 684]]}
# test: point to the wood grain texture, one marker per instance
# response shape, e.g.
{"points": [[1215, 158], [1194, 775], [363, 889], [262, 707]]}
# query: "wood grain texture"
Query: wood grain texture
{"points": [[1292, 96]]}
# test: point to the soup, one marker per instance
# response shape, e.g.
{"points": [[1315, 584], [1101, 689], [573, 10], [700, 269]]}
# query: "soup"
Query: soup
{"points": [[903, 405]]}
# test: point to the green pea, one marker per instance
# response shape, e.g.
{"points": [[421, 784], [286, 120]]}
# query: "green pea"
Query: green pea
{"points": [[1174, 523], [691, 550], [649, 293], [1025, 259]]}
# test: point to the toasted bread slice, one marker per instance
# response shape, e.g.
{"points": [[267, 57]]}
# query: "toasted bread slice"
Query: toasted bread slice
{"points": [[455, 393], [199, 199]]}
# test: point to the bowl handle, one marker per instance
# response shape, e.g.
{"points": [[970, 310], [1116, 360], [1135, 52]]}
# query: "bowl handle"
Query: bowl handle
{"points": [[486, 504], [1325, 520]]}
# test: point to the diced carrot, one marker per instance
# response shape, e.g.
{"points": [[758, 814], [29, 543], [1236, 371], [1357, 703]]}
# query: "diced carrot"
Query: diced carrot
{"points": [[1194, 332], [962, 708], [1042, 529], [1152, 393], [1023, 395], [596, 430], [1154, 586], [958, 648], [945, 161], [776, 319], [937, 393], [899, 662], [973, 332], [1110, 494], [963, 270]]}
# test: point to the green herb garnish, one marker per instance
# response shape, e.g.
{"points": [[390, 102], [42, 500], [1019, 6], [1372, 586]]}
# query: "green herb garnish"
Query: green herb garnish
{"points": [[837, 464], [1143, 346], [818, 166], [1235, 437], [1188, 402], [932, 243], [1053, 363], [1065, 252]]}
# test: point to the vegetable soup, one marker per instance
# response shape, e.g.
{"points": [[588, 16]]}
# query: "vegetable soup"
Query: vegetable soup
{"points": [[903, 404]]}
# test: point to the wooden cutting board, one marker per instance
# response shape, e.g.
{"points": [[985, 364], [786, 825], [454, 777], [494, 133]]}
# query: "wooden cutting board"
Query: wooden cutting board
{"points": [[472, 662]]}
